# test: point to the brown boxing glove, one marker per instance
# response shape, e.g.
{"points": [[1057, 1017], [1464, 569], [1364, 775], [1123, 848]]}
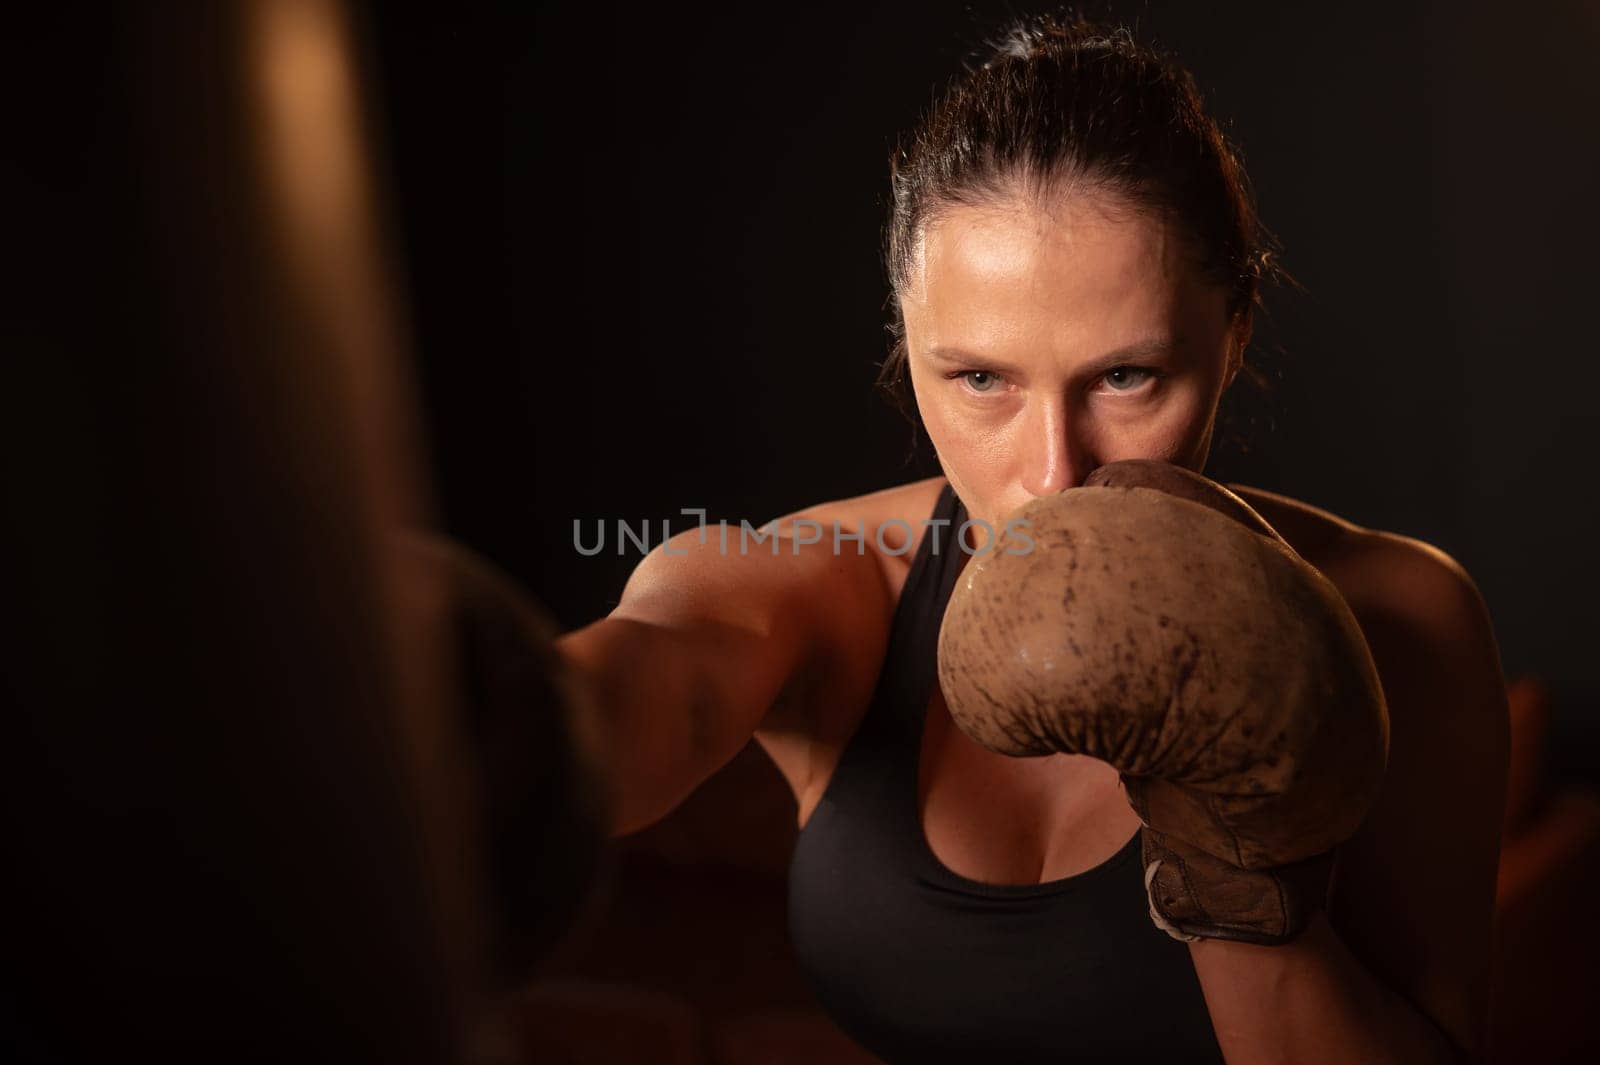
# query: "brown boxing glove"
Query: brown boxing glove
{"points": [[529, 727], [1153, 620]]}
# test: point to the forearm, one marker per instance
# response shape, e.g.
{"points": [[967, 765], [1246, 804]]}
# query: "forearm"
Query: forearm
{"points": [[639, 699], [1309, 1002]]}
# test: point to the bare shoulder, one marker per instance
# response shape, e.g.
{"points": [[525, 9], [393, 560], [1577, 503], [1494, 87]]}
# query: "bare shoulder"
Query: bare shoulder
{"points": [[1372, 568], [1424, 617], [889, 521], [909, 503], [820, 708], [1312, 531]]}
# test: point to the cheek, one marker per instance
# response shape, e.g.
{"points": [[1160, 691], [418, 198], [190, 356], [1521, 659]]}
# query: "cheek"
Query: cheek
{"points": [[975, 459], [958, 428], [939, 417], [1174, 432], [942, 416]]}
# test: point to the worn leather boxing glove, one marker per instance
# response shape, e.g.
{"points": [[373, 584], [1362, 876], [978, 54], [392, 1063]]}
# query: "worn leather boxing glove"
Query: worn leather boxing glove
{"points": [[1153, 620], [529, 730]]}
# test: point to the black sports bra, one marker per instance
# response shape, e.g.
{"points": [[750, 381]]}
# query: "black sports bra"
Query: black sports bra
{"points": [[922, 965]]}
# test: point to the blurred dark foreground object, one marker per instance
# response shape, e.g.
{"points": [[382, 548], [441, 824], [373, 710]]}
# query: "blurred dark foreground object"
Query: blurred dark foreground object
{"points": [[533, 751], [246, 816], [1547, 945]]}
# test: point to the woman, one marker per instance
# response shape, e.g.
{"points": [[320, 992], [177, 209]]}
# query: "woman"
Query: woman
{"points": [[1075, 261]]}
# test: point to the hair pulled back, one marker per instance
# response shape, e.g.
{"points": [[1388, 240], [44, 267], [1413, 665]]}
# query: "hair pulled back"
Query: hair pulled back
{"points": [[1056, 104]]}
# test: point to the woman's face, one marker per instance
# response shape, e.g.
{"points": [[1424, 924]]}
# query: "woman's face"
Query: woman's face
{"points": [[1045, 343]]}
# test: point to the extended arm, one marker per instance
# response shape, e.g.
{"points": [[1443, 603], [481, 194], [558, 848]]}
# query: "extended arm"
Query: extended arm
{"points": [[705, 643]]}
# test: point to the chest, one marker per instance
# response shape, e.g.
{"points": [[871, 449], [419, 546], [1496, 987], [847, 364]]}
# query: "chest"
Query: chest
{"points": [[1001, 820]]}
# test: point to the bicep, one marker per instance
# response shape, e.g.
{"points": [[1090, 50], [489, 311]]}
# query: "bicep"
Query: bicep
{"points": [[705, 642], [749, 624], [731, 631], [1414, 894]]}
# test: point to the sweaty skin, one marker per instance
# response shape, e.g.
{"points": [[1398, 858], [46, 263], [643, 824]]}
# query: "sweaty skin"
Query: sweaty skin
{"points": [[1044, 341], [1026, 333]]}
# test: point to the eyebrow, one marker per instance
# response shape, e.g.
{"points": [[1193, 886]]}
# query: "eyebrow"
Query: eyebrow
{"points": [[1140, 349]]}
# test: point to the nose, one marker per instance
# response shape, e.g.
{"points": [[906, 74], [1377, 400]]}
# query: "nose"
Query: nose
{"points": [[1053, 459]]}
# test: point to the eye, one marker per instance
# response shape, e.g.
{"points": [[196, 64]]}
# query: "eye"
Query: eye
{"points": [[981, 381], [1128, 378]]}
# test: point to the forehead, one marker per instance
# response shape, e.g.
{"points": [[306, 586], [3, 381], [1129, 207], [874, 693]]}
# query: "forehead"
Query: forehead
{"points": [[1077, 264]]}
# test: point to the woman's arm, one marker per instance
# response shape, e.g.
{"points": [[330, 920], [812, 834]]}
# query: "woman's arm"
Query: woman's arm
{"points": [[707, 640], [1398, 971]]}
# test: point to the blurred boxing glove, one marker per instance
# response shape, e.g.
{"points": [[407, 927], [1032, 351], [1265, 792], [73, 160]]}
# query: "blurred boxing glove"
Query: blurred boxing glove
{"points": [[529, 730], [1158, 623]]}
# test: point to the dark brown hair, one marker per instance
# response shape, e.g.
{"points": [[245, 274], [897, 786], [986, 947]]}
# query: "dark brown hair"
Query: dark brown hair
{"points": [[1058, 101]]}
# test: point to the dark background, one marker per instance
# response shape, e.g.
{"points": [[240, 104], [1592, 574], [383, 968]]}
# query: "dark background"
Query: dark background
{"points": [[643, 273]]}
